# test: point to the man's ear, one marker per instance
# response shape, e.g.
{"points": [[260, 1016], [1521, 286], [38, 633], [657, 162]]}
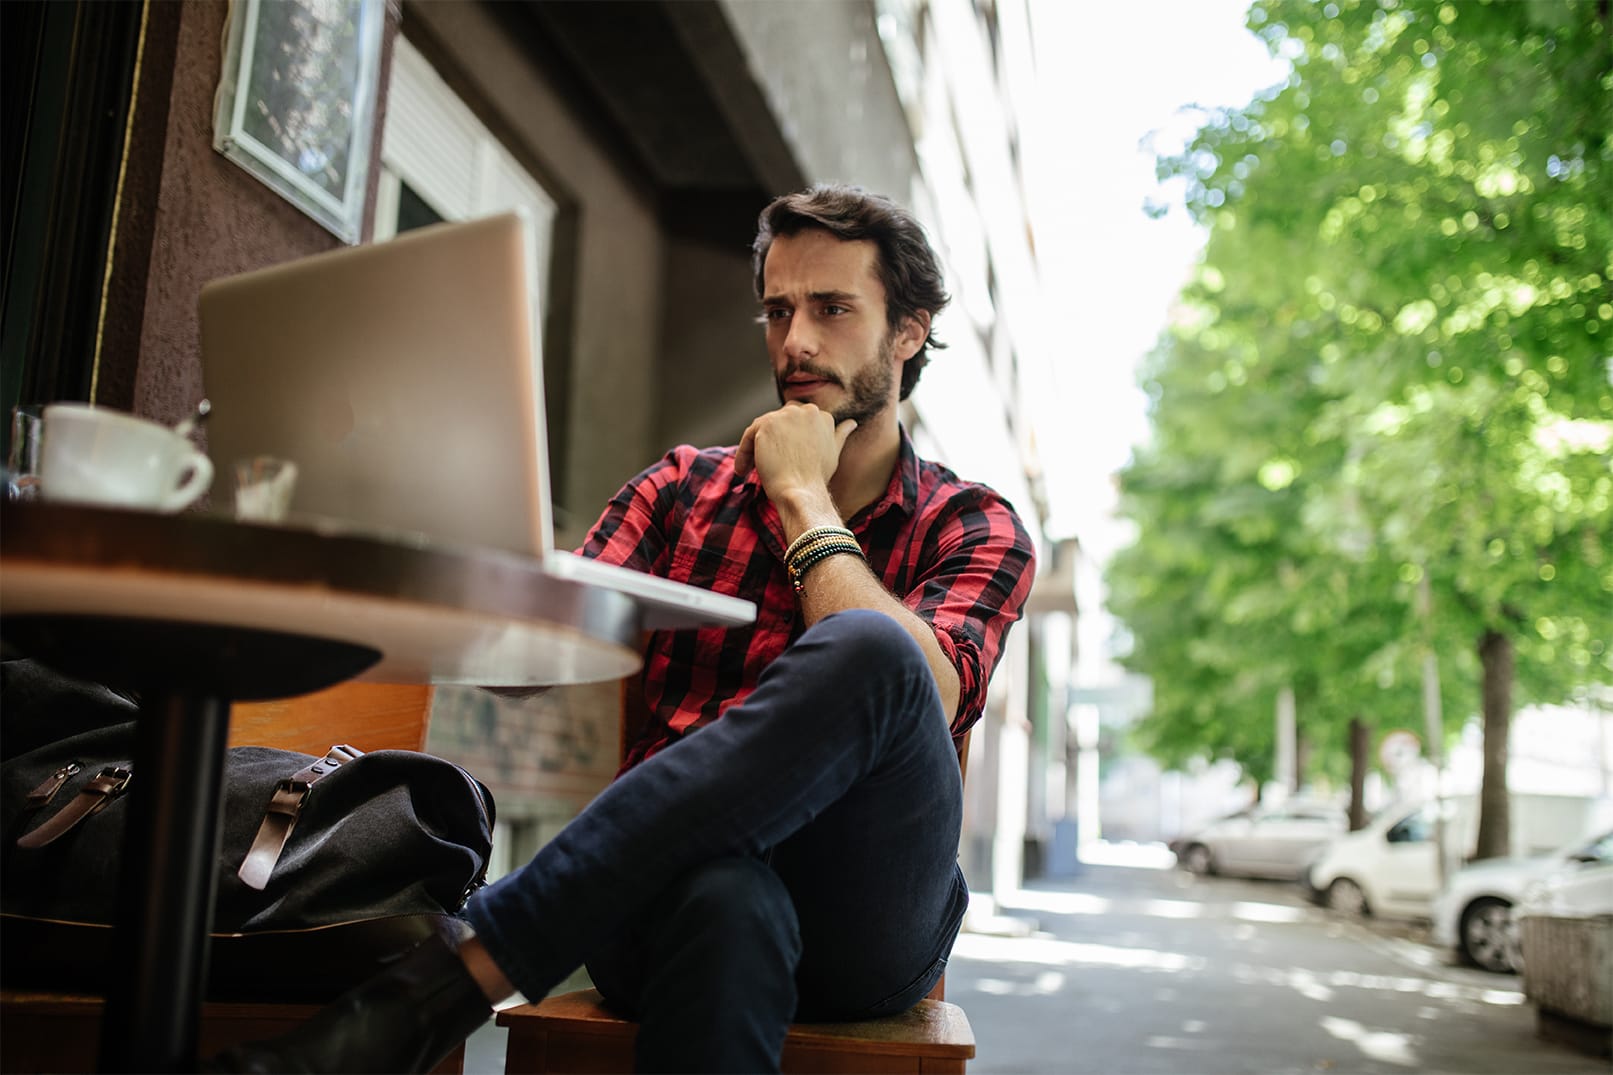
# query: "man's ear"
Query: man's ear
{"points": [[911, 334]]}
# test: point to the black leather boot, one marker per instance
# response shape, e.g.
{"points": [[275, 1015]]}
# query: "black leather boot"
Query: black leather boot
{"points": [[407, 1018]]}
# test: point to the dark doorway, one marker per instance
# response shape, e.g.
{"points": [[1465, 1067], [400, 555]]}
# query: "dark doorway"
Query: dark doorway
{"points": [[65, 80]]}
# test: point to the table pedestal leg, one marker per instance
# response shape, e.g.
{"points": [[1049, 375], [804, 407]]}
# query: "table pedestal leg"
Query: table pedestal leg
{"points": [[166, 910]]}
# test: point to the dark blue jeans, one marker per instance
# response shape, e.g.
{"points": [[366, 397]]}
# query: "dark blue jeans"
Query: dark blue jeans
{"points": [[797, 858]]}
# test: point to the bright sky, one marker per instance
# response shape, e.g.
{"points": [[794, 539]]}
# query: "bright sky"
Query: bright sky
{"points": [[1113, 72]]}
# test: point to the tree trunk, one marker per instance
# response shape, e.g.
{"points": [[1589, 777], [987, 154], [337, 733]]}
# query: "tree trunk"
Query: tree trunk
{"points": [[1495, 809], [1302, 758], [1360, 750], [1282, 764]]}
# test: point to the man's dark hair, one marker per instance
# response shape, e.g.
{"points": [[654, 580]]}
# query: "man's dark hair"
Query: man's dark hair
{"points": [[908, 267]]}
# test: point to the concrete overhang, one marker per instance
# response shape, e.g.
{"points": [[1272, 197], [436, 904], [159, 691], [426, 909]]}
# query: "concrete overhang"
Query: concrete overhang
{"points": [[667, 84]]}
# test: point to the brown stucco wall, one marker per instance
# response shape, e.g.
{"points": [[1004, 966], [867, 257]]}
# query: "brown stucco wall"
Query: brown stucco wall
{"points": [[209, 218]]}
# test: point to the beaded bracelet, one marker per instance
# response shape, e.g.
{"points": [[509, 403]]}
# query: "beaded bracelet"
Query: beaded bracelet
{"points": [[804, 561], [799, 553], [805, 558], [816, 533]]}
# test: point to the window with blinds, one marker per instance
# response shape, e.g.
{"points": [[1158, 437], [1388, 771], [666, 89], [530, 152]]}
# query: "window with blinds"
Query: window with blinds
{"points": [[439, 162]]}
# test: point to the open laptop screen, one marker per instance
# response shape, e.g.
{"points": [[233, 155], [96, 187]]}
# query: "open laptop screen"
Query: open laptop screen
{"points": [[401, 377]]}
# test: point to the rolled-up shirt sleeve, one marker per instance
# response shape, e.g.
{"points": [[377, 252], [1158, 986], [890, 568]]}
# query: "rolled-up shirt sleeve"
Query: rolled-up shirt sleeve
{"points": [[972, 589]]}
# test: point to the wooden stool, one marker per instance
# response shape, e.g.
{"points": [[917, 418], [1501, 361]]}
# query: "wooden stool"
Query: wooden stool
{"points": [[573, 1032]]}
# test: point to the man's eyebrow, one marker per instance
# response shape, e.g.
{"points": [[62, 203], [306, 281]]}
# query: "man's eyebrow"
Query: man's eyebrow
{"points": [[813, 296]]}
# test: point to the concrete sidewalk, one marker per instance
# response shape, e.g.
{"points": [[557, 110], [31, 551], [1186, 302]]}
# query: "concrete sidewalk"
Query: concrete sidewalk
{"points": [[1135, 967]]}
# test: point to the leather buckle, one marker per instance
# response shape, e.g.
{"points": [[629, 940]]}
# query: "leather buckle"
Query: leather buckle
{"points": [[288, 797], [91, 799]]}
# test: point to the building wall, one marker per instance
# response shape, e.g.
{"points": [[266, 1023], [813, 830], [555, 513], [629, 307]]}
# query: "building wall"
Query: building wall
{"points": [[543, 758], [714, 375], [955, 63], [824, 74], [616, 275], [209, 218]]}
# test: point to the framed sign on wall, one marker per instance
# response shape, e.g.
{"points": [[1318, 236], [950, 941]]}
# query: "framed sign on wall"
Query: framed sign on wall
{"points": [[296, 101]]}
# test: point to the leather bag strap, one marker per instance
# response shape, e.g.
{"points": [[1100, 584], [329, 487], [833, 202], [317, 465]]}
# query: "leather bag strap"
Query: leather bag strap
{"points": [[46, 791], [280, 816], [103, 787]]}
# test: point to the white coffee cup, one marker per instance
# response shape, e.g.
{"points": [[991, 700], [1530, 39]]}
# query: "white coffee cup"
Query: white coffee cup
{"points": [[92, 455]]}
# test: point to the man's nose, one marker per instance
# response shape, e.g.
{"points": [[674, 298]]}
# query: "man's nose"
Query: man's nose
{"points": [[800, 341]]}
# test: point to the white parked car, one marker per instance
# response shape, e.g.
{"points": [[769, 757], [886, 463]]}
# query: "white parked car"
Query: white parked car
{"points": [[1581, 887], [1475, 913], [1263, 841], [1391, 867]]}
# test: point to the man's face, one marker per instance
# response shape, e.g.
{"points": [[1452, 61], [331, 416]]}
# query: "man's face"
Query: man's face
{"points": [[824, 308]]}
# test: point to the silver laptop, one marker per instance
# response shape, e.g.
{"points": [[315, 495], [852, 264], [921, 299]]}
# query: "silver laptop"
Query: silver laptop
{"points": [[404, 380]]}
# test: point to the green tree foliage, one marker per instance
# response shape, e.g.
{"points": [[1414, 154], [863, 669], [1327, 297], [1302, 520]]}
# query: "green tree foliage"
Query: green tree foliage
{"points": [[1394, 362]]}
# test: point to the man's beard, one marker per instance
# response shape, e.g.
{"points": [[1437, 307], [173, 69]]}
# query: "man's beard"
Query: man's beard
{"points": [[869, 392]]}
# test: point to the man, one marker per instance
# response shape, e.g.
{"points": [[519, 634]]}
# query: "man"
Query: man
{"points": [[782, 842]]}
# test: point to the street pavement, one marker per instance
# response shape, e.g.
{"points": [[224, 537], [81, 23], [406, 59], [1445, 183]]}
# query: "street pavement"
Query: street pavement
{"points": [[1134, 967]]}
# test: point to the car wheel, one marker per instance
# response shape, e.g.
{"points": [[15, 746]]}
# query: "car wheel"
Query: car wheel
{"points": [[1489, 936], [1346, 897], [1198, 860]]}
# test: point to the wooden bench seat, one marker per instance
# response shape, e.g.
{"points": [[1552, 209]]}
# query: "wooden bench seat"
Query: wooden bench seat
{"points": [[42, 1032], [574, 1032]]}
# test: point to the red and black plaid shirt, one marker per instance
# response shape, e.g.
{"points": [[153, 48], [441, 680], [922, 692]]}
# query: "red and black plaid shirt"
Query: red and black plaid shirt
{"points": [[953, 552]]}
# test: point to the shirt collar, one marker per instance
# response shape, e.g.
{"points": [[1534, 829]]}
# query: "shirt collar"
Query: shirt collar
{"points": [[903, 491]]}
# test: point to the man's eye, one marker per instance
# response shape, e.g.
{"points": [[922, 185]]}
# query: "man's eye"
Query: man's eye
{"points": [[775, 314], [834, 310]]}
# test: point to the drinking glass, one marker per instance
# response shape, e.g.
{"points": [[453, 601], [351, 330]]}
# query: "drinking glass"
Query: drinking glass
{"points": [[263, 488], [22, 451]]}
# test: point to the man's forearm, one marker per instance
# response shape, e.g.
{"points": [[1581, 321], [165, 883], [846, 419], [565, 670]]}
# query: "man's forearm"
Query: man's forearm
{"points": [[795, 451], [842, 582]]}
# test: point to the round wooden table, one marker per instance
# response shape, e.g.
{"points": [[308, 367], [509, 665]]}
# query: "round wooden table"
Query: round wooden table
{"points": [[196, 612]]}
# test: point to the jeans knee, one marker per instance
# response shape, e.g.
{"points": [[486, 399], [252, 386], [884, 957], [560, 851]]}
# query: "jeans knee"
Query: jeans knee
{"points": [[872, 642]]}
